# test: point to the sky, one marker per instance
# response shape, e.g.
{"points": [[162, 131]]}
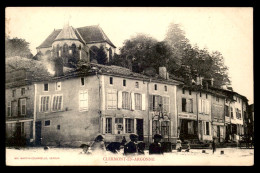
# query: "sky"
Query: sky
{"points": [[227, 30]]}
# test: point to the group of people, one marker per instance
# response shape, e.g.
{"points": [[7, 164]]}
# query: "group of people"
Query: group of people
{"points": [[130, 148]]}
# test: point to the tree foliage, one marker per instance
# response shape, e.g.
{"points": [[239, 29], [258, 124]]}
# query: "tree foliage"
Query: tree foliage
{"points": [[17, 47], [175, 52]]}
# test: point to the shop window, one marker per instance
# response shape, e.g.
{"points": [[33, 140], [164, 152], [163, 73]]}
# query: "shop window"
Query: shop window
{"points": [[108, 125], [129, 123]]}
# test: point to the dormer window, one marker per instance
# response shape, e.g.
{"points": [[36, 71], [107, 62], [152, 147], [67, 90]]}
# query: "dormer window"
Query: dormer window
{"points": [[82, 81], [124, 82], [46, 87], [111, 80], [136, 84], [155, 86]]}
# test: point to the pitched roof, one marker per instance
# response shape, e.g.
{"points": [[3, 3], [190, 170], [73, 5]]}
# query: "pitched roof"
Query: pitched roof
{"points": [[49, 40], [67, 33], [87, 34]]}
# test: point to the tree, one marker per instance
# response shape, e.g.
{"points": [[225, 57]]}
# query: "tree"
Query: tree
{"points": [[178, 42], [17, 47]]}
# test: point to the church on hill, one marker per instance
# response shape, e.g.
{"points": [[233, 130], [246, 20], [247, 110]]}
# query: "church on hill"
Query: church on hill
{"points": [[74, 44]]}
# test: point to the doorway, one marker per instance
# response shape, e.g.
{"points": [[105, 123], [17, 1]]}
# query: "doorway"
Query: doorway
{"points": [[140, 129], [38, 133]]}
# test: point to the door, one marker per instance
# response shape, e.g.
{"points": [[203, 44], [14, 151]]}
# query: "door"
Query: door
{"points": [[38, 132], [218, 133], [140, 129]]}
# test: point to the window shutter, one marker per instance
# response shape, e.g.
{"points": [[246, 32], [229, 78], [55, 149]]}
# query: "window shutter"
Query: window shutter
{"points": [[209, 128], [151, 102], [200, 105], [143, 102], [103, 119], [119, 103], [133, 101], [205, 127]]}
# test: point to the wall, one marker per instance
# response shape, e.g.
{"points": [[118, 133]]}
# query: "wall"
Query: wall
{"points": [[26, 119], [75, 126], [172, 94]]}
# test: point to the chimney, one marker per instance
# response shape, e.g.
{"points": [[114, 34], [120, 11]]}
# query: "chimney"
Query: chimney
{"points": [[58, 67], [198, 80], [163, 72], [212, 81]]}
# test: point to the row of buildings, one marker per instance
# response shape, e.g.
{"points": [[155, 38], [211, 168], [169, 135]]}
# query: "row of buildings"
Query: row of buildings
{"points": [[74, 105]]}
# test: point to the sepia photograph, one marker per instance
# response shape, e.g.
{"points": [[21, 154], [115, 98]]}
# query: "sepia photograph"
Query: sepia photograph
{"points": [[129, 86]]}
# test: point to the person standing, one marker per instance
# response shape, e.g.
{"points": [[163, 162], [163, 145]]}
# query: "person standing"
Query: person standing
{"points": [[155, 147], [98, 145], [131, 147], [213, 146]]}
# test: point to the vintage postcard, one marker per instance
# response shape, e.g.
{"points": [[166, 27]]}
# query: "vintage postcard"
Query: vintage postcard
{"points": [[125, 86]]}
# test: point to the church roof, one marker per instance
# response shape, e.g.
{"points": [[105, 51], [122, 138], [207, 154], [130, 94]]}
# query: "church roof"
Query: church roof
{"points": [[67, 33], [87, 34]]}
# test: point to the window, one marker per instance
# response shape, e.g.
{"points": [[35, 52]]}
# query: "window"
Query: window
{"points": [[47, 123], [138, 101], [13, 93], [108, 125], [136, 84], [207, 128], [46, 87], [189, 92], [44, 106], [125, 100], [154, 101], [22, 91], [23, 106], [57, 103], [217, 99], [70, 51], [119, 120], [165, 128], [9, 109], [183, 91], [155, 86], [111, 99], [206, 96], [165, 88], [58, 127], [166, 104], [82, 81], [184, 105], [200, 94], [58, 86], [124, 82], [83, 100], [231, 112], [129, 125], [226, 111], [111, 80]]}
